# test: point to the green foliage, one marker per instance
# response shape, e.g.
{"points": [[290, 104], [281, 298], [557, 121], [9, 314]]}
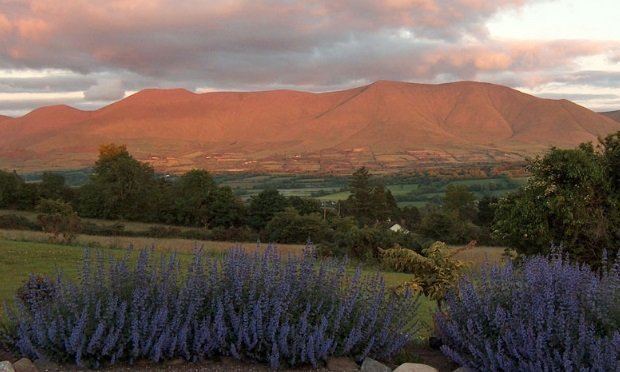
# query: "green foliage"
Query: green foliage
{"points": [[364, 243], [367, 203], [53, 186], [289, 226], [10, 184], [264, 206], [409, 217], [434, 269], [437, 224], [305, 205], [570, 201], [486, 210], [460, 202], [119, 188], [194, 196], [15, 193], [360, 199], [58, 219], [226, 210]]}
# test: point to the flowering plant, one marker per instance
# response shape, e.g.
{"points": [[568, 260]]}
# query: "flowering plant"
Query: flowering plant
{"points": [[263, 307], [546, 315]]}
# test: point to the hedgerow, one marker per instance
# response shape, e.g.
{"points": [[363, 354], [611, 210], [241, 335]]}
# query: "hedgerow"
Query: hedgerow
{"points": [[260, 307]]}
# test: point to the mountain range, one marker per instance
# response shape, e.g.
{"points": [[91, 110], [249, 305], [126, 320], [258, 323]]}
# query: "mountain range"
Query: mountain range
{"points": [[385, 125]]}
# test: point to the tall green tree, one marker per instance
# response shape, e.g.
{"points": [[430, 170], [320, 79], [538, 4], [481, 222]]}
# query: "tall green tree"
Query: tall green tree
{"points": [[460, 202], [53, 186], [486, 210], [226, 210], [194, 195], [15, 193], [305, 205], [360, 201], [264, 206], [569, 201], [11, 185], [119, 188], [383, 205]]}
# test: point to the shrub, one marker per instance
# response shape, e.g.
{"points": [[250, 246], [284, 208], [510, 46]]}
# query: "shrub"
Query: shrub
{"points": [[259, 307], [115, 229], [570, 200], [58, 218], [435, 271], [291, 227], [364, 243], [548, 315]]}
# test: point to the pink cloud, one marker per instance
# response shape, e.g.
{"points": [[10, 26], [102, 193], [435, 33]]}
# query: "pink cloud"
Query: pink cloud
{"points": [[249, 44]]}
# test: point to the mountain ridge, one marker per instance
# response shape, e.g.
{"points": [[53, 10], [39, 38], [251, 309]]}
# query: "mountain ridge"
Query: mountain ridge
{"points": [[615, 115], [386, 124]]}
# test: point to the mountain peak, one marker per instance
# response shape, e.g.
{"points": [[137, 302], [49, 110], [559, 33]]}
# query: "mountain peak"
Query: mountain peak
{"points": [[386, 122], [156, 93]]}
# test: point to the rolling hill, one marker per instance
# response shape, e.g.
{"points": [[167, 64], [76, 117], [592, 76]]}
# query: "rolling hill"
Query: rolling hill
{"points": [[613, 114], [389, 125]]}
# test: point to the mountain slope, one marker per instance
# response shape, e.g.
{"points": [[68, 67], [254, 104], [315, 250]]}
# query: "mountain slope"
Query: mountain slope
{"points": [[177, 129], [613, 114]]}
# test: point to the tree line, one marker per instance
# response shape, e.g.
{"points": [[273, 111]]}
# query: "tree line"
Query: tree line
{"points": [[571, 200]]}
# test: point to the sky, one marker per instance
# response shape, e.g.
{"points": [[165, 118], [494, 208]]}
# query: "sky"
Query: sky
{"points": [[90, 53]]}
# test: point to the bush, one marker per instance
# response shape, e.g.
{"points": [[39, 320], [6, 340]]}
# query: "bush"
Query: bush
{"points": [[259, 307], [15, 222], [435, 271], [59, 219], [291, 227], [570, 200], [115, 229], [548, 315], [364, 243]]}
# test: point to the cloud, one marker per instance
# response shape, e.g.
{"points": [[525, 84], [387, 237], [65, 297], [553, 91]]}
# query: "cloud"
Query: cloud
{"points": [[107, 47], [105, 90], [165, 37]]}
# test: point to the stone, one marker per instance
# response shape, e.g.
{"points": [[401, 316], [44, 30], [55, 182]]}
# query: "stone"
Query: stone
{"points": [[371, 365], [342, 364], [6, 366], [415, 367], [25, 365]]}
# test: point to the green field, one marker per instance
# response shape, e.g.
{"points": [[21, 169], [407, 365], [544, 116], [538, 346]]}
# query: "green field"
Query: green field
{"points": [[418, 194]]}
